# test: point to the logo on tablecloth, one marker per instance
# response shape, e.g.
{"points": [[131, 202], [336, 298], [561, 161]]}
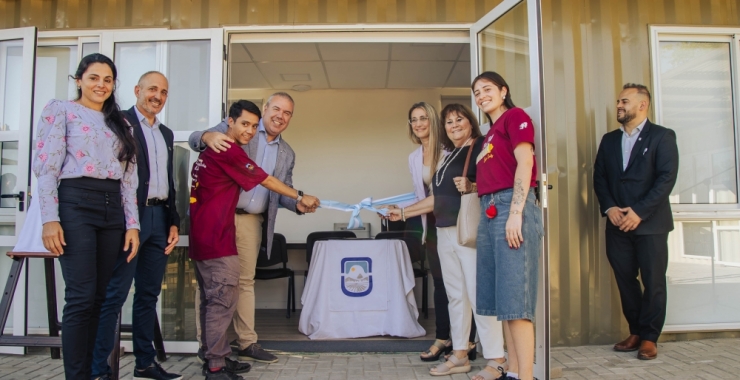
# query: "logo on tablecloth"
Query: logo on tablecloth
{"points": [[357, 276]]}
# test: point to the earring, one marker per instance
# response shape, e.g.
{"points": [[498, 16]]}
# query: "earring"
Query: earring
{"points": [[79, 88], [503, 97]]}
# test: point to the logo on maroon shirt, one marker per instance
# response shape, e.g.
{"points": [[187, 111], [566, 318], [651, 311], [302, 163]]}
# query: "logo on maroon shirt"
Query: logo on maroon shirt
{"points": [[523, 125], [250, 167]]}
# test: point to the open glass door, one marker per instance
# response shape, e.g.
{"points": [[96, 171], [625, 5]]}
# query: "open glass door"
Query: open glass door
{"points": [[17, 57], [192, 60], [506, 40]]}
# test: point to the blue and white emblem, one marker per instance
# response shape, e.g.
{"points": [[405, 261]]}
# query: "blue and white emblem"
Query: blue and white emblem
{"points": [[357, 276]]}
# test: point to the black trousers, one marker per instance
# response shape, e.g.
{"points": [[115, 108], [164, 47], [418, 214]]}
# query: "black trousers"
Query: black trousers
{"points": [[92, 218], [646, 255], [441, 311]]}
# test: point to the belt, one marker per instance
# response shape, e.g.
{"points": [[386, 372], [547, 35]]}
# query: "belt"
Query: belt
{"points": [[241, 211], [155, 202]]}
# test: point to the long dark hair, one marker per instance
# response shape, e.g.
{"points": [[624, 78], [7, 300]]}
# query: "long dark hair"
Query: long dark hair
{"points": [[460, 110], [113, 117], [499, 82]]}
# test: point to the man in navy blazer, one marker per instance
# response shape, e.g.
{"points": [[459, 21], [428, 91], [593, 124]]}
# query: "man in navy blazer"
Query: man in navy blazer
{"points": [[635, 171], [159, 235]]}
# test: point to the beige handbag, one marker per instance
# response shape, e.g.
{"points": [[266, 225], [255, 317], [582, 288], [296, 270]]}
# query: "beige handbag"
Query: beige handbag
{"points": [[469, 216]]}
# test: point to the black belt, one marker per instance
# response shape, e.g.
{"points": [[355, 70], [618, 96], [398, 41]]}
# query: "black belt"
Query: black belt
{"points": [[155, 202], [241, 211]]}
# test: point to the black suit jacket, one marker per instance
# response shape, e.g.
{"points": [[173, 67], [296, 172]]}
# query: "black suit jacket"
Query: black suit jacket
{"points": [[647, 181], [142, 164]]}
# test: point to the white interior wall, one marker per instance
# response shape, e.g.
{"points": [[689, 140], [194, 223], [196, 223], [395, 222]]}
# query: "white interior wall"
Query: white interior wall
{"points": [[349, 144]]}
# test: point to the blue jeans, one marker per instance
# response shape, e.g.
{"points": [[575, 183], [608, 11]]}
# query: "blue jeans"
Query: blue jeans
{"points": [[148, 269], [506, 280]]}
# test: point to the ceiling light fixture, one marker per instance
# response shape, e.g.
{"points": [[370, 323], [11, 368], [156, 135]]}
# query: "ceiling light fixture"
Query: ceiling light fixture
{"points": [[296, 77], [301, 87]]}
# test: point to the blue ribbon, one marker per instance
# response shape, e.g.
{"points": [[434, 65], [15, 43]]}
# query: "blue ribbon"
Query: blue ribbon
{"points": [[367, 204]]}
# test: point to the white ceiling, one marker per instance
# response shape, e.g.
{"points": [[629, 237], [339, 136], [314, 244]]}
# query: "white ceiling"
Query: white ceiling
{"points": [[281, 66]]}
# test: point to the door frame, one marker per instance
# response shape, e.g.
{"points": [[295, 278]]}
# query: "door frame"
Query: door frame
{"points": [[23, 135], [535, 111]]}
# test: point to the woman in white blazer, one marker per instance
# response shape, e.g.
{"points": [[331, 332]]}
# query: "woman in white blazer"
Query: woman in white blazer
{"points": [[425, 129]]}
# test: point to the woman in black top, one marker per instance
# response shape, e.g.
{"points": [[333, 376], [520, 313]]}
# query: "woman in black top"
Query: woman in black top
{"points": [[458, 262]]}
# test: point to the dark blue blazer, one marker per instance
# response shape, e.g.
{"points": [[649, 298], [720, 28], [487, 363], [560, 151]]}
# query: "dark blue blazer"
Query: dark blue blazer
{"points": [[142, 164], [647, 181]]}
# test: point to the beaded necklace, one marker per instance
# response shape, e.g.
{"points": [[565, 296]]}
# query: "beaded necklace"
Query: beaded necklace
{"points": [[447, 161]]}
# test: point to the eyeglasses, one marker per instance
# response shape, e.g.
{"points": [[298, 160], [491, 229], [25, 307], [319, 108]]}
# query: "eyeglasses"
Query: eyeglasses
{"points": [[422, 119]]}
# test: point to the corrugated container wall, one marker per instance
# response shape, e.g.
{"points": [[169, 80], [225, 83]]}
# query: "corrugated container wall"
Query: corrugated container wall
{"points": [[590, 48], [58, 14]]}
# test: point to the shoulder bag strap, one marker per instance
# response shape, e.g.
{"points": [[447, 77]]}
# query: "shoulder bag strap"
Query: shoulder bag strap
{"points": [[467, 159]]}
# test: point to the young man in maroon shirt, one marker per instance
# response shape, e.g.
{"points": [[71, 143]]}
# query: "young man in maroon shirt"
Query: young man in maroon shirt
{"points": [[217, 181]]}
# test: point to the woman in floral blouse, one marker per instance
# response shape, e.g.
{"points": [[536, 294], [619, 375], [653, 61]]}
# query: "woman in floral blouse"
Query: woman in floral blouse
{"points": [[86, 170]]}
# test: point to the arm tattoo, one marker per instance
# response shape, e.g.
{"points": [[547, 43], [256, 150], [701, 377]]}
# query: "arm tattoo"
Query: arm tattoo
{"points": [[518, 197]]}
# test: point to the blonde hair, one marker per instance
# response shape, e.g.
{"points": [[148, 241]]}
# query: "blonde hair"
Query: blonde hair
{"points": [[436, 129]]}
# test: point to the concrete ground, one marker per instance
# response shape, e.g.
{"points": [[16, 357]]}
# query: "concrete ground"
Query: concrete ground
{"points": [[700, 359]]}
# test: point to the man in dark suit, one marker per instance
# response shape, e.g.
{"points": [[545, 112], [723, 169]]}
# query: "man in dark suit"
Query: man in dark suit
{"points": [[634, 173], [159, 235]]}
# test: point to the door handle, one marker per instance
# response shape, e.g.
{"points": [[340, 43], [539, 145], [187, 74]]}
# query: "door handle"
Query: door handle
{"points": [[21, 196]]}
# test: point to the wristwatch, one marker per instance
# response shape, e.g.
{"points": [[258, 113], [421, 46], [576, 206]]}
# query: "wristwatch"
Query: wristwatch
{"points": [[300, 196]]}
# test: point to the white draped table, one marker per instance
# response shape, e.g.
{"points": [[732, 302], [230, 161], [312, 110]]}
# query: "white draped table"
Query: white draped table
{"points": [[359, 288]]}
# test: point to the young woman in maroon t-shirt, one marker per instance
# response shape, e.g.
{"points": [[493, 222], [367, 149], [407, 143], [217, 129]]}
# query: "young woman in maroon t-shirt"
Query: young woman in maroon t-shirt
{"points": [[510, 231]]}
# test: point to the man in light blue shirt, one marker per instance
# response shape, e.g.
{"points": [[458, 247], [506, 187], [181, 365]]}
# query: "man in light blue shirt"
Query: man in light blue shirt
{"points": [[255, 201], [257, 209]]}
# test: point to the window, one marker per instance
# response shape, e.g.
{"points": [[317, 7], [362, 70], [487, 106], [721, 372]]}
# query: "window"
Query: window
{"points": [[696, 101], [695, 87]]}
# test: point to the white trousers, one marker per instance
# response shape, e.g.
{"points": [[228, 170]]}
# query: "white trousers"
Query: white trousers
{"points": [[459, 273]]}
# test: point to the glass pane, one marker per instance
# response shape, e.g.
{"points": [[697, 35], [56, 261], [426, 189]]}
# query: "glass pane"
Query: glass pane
{"points": [[38, 316], [11, 65], [183, 162], [132, 60], [729, 246], [187, 104], [178, 297], [90, 48], [697, 239], [696, 102], [54, 65], [504, 48], [703, 273], [8, 179]]}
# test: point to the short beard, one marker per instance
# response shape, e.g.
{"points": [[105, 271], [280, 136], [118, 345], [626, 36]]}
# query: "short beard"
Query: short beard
{"points": [[626, 118]]}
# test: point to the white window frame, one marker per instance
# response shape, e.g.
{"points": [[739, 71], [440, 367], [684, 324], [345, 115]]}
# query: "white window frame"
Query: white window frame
{"points": [[108, 39], [700, 34], [701, 212]]}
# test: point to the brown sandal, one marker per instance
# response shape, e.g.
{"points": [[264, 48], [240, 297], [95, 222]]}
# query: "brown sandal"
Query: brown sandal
{"points": [[459, 366], [443, 347], [472, 351], [489, 376]]}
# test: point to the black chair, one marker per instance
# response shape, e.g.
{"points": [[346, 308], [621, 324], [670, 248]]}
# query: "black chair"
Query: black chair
{"points": [[416, 254], [279, 254], [313, 237]]}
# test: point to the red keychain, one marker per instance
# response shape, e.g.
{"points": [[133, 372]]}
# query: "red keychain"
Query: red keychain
{"points": [[491, 211]]}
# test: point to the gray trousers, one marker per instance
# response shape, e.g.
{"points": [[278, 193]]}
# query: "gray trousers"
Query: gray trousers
{"points": [[219, 293]]}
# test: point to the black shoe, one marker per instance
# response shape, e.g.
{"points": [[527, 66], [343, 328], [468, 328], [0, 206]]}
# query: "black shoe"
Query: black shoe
{"points": [[221, 374], [232, 366], [256, 353], [155, 371], [202, 356]]}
